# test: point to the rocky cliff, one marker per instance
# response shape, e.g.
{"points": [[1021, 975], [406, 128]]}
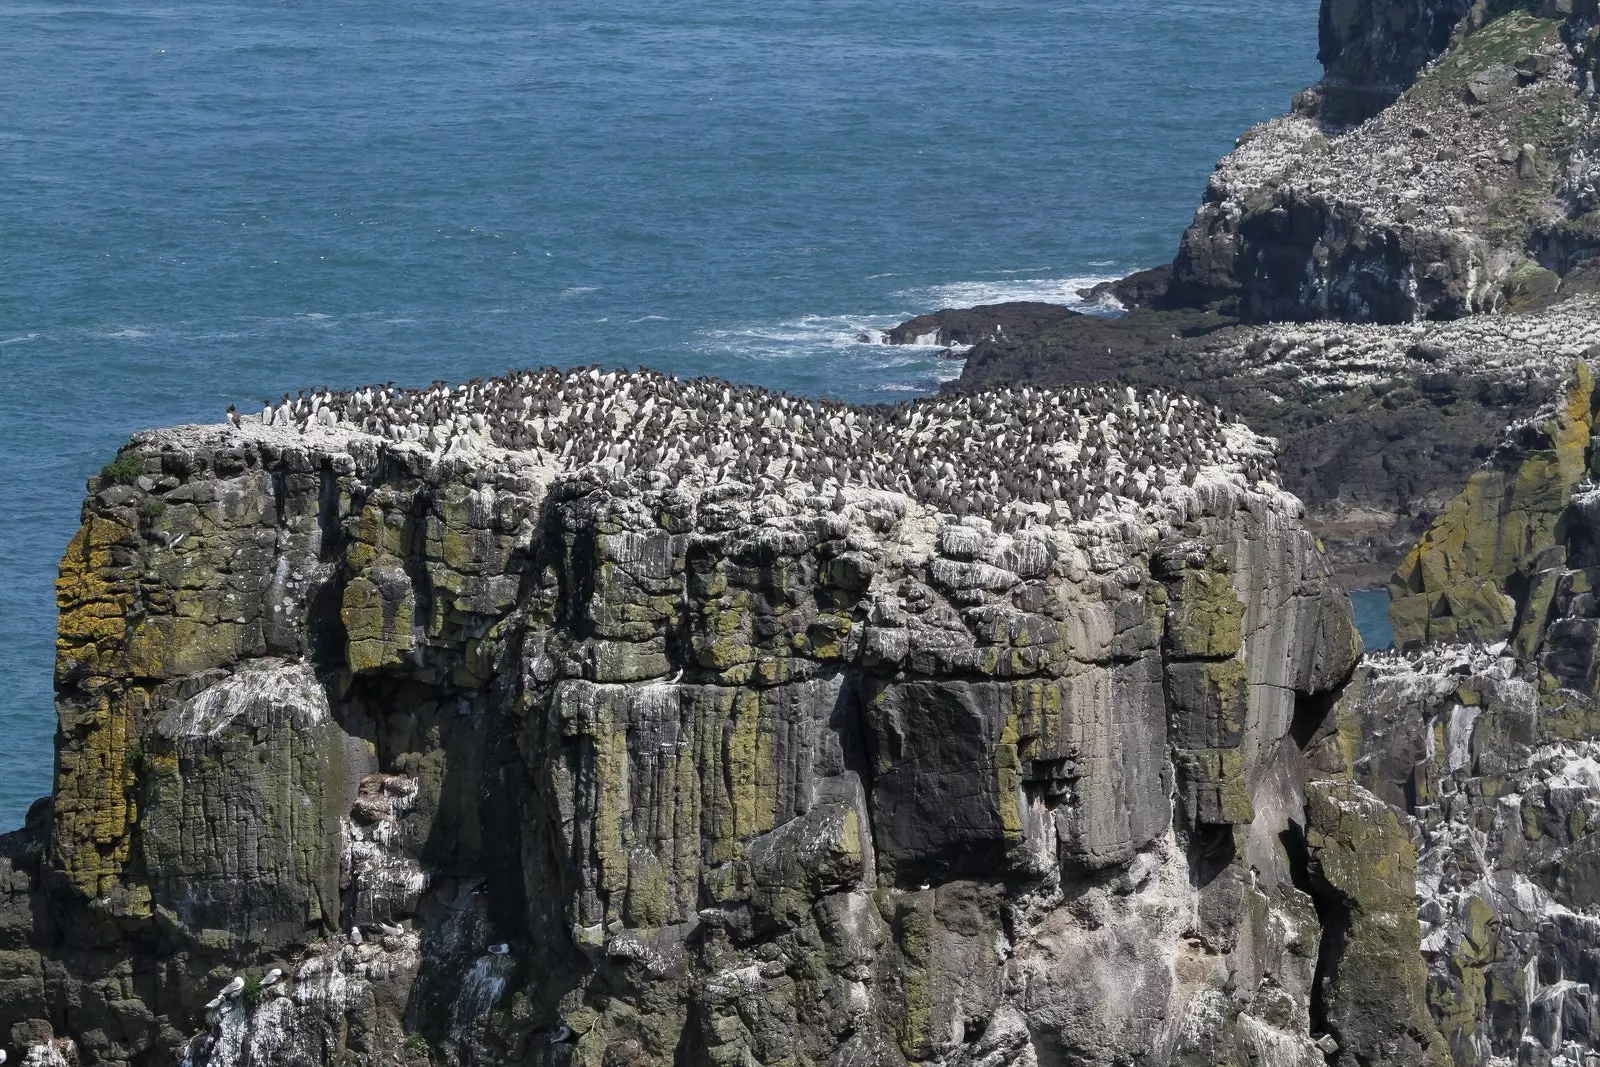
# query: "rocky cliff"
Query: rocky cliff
{"points": [[1482, 736], [611, 720], [1473, 189], [1440, 173], [445, 752]]}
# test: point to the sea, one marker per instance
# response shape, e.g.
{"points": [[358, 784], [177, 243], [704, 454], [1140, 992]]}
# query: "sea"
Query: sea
{"points": [[216, 202]]}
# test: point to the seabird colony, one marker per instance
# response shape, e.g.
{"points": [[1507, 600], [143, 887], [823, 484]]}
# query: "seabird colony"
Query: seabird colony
{"points": [[1072, 453]]}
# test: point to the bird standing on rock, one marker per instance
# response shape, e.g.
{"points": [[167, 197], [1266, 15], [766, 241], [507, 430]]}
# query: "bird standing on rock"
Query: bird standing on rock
{"points": [[1015, 455]]}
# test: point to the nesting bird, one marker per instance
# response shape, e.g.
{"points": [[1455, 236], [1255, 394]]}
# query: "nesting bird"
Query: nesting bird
{"points": [[1015, 454]]}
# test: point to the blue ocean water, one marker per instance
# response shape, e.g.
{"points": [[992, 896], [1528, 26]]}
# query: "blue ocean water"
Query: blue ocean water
{"points": [[213, 202], [1372, 618]]}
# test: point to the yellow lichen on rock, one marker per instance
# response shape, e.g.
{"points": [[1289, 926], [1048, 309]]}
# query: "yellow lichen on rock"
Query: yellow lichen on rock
{"points": [[1455, 583]]}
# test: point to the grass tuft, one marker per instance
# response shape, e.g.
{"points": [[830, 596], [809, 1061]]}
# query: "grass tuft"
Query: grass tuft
{"points": [[124, 470]]}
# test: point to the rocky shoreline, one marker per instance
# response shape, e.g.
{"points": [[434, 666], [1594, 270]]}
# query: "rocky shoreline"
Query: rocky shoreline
{"points": [[1396, 196], [608, 719]]}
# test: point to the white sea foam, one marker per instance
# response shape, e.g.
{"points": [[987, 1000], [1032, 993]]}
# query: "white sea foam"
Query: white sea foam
{"points": [[1063, 291], [862, 339], [20, 339], [808, 332]]}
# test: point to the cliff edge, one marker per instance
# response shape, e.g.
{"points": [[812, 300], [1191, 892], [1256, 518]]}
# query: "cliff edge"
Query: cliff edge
{"points": [[440, 750]]}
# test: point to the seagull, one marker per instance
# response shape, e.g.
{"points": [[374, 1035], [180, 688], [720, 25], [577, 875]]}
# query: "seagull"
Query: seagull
{"points": [[499, 950], [271, 977], [211, 1005], [168, 540], [392, 929], [676, 678], [355, 935], [562, 1035], [233, 988]]}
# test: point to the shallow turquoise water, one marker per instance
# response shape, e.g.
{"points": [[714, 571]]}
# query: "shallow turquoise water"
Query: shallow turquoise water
{"points": [[214, 202]]}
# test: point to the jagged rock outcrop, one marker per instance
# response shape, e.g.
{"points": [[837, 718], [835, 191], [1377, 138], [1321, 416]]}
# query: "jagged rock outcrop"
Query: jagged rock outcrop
{"points": [[1473, 191], [1378, 426], [1371, 51], [1499, 782], [1481, 737], [610, 774], [1488, 566]]}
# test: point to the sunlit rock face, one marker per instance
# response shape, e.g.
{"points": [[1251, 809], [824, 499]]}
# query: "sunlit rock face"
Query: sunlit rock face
{"points": [[497, 756], [1479, 736], [1472, 192]]}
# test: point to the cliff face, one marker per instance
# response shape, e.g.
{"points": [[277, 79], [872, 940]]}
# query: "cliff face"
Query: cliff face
{"points": [[1474, 189], [1481, 735], [1382, 279], [614, 775], [403, 731], [1371, 50]]}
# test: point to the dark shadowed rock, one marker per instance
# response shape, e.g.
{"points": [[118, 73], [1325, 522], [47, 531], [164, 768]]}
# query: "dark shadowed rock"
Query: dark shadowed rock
{"points": [[1141, 289], [1371, 50], [986, 322]]}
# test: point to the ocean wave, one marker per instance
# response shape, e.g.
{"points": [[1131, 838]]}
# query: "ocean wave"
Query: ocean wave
{"points": [[20, 339], [1062, 291], [867, 364], [807, 332]]}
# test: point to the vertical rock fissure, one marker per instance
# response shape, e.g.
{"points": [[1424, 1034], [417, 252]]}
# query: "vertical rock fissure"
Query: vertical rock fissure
{"points": [[1333, 916]]}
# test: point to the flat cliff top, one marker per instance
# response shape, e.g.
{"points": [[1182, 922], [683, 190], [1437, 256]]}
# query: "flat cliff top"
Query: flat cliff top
{"points": [[1017, 456]]}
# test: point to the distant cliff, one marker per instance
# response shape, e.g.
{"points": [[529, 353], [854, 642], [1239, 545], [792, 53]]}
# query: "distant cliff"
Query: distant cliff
{"points": [[1435, 197]]}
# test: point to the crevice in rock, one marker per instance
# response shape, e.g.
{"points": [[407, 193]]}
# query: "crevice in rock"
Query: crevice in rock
{"points": [[331, 543], [1333, 915], [414, 549], [1212, 850], [326, 637], [280, 503]]}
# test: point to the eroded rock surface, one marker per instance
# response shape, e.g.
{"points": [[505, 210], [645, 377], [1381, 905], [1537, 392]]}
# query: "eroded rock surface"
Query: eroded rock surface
{"points": [[1378, 426], [446, 752], [1473, 191]]}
